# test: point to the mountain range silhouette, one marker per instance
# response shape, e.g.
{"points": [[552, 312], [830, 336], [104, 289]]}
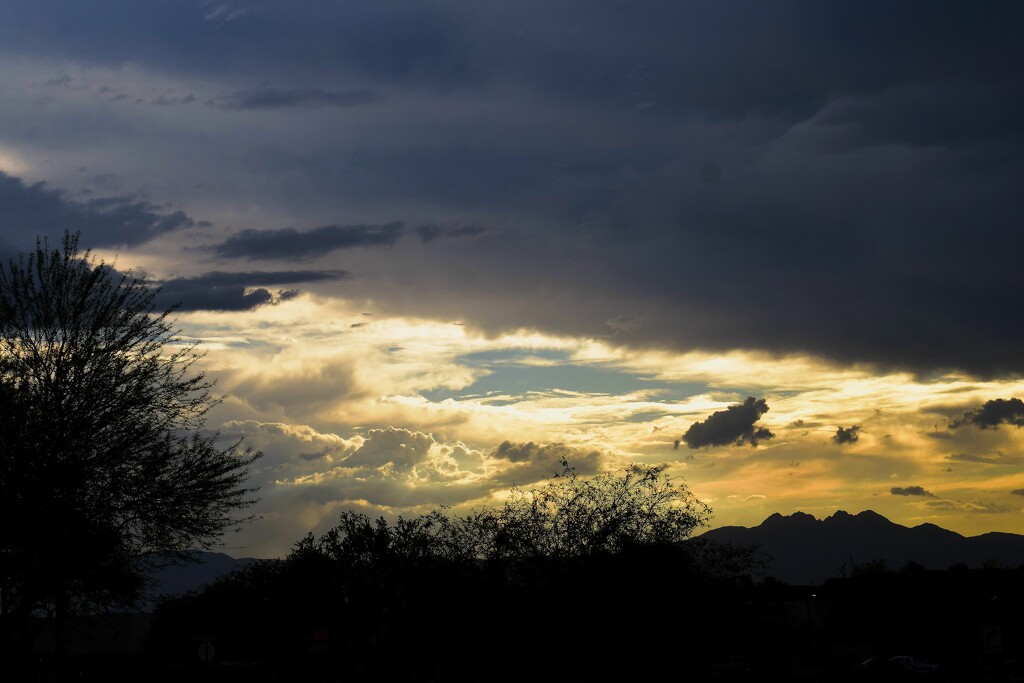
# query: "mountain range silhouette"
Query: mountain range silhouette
{"points": [[178, 578], [803, 550], [798, 549]]}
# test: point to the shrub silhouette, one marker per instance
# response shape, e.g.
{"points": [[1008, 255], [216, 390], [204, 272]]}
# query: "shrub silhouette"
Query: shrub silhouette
{"points": [[574, 566]]}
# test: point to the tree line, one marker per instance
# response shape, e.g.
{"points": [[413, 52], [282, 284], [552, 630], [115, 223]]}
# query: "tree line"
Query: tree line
{"points": [[576, 579]]}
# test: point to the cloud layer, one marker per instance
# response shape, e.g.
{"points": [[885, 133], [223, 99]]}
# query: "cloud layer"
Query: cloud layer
{"points": [[38, 210], [239, 291], [434, 247], [290, 244], [723, 175]]}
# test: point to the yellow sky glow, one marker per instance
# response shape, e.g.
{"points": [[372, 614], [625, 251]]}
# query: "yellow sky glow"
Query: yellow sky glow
{"points": [[331, 374]]}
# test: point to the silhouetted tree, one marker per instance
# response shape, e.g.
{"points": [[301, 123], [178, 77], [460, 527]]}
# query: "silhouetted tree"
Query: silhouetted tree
{"points": [[582, 559], [564, 566], [103, 455], [574, 517]]}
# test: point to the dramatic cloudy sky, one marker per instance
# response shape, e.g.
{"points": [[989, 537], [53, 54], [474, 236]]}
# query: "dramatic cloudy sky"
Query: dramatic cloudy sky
{"points": [[434, 246]]}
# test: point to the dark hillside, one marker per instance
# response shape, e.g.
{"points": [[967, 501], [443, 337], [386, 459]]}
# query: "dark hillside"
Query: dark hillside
{"points": [[803, 550]]}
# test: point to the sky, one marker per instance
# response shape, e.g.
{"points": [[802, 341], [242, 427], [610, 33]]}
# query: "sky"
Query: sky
{"points": [[432, 247]]}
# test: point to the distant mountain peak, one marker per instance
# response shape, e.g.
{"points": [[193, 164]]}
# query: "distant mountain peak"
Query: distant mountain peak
{"points": [[777, 519], [862, 519], [804, 550]]}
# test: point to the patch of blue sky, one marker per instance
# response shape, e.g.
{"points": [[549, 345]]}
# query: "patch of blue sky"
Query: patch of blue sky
{"points": [[516, 372], [642, 416]]}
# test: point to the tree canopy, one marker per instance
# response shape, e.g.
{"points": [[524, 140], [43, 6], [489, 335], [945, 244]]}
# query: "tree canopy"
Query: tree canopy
{"points": [[103, 452], [571, 519], [567, 567], [577, 517]]}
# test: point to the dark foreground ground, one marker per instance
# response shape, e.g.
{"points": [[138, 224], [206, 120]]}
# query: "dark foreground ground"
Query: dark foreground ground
{"points": [[917, 624]]}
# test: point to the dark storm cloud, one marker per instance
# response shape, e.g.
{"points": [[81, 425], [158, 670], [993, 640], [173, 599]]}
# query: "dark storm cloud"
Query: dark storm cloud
{"points": [[962, 114], [538, 461], [519, 452], [847, 435], [30, 210], [218, 291], [992, 414], [910, 491], [853, 161], [733, 426], [545, 457], [289, 243], [429, 233], [725, 58], [277, 98], [397, 42]]}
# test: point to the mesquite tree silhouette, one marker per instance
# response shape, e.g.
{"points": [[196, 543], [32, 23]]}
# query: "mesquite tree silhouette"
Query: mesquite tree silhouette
{"points": [[104, 459], [572, 567]]}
